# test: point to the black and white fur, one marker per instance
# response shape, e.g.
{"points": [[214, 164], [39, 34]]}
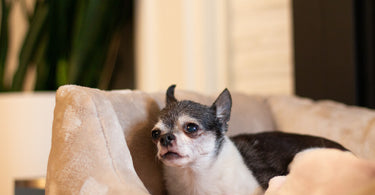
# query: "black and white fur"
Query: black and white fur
{"points": [[200, 159]]}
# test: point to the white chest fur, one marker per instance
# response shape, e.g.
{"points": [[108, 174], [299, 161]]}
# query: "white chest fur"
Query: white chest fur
{"points": [[226, 175]]}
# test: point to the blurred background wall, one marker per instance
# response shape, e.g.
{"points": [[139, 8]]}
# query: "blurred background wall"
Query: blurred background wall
{"points": [[307, 48], [200, 45], [209, 45]]}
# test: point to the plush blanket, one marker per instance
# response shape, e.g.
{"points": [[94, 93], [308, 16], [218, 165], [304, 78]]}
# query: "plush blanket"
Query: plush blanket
{"points": [[101, 139], [326, 171]]}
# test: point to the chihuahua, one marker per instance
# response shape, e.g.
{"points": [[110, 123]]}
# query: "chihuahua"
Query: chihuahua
{"points": [[199, 158]]}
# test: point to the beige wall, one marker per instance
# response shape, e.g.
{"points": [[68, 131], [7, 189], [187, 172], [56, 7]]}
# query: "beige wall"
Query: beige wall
{"points": [[261, 46], [180, 42], [208, 45], [25, 137]]}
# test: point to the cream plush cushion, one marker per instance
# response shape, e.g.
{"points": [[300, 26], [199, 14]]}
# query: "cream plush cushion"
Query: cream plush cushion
{"points": [[326, 171], [353, 127], [101, 139]]}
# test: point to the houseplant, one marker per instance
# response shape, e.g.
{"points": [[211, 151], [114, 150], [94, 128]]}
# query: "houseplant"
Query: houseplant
{"points": [[67, 42]]}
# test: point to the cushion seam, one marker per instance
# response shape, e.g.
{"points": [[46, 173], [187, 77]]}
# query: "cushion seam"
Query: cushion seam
{"points": [[107, 146]]}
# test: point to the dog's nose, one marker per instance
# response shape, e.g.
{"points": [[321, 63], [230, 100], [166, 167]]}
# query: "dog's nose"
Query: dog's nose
{"points": [[167, 139]]}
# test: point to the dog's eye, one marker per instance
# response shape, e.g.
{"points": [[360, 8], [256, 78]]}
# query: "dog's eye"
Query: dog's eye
{"points": [[191, 127], [155, 134]]}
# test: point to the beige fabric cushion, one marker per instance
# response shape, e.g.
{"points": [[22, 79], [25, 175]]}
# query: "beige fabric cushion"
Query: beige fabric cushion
{"points": [[353, 127], [89, 154], [326, 172]]}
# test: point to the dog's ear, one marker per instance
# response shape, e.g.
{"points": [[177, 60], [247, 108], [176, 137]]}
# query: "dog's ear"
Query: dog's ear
{"points": [[170, 94], [222, 106]]}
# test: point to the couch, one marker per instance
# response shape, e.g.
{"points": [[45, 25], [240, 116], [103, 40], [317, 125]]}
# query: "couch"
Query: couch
{"points": [[101, 139]]}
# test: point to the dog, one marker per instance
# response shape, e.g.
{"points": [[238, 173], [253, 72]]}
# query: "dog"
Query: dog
{"points": [[199, 158]]}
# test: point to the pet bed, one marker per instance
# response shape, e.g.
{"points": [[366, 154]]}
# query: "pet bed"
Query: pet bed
{"points": [[101, 140]]}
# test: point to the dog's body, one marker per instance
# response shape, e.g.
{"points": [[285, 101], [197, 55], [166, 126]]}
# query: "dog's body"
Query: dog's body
{"points": [[200, 159]]}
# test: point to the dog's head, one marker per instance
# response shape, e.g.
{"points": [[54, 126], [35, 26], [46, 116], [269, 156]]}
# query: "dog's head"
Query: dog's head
{"points": [[187, 132]]}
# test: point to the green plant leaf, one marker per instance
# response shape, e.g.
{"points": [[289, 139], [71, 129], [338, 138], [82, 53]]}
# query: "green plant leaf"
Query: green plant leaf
{"points": [[71, 42], [31, 43], [4, 36], [42, 67], [99, 20]]}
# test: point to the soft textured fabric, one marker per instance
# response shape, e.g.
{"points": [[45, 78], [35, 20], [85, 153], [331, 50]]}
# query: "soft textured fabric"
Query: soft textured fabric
{"points": [[101, 139], [352, 126], [89, 154], [324, 172]]}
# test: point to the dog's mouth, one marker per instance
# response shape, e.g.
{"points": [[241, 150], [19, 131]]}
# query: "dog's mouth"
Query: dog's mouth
{"points": [[171, 156]]}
